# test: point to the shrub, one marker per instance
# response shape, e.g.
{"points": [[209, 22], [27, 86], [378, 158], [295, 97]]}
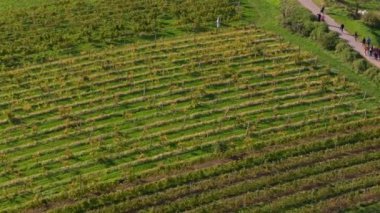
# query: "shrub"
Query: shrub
{"points": [[319, 31], [372, 72], [296, 18], [330, 40], [372, 19], [376, 78], [349, 55], [308, 27], [360, 65], [341, 47]]}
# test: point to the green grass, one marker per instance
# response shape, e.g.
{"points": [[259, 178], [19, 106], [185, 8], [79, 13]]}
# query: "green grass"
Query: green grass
{"points": [[13, 4]]}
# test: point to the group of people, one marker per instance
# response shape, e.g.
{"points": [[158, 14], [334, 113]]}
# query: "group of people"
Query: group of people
{"points": [[369, 49]]}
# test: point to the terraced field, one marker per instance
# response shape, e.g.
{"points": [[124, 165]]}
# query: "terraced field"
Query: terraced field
{"points": [[235, 120]]}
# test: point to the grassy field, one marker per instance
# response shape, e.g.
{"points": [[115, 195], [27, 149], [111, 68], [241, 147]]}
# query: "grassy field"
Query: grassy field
{"points": [[11, 4], [248, 118]]}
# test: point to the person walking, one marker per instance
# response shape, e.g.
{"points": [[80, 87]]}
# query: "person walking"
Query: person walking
{"points": [[364, 42], [319, 16], [369, 41], [371, 51], [323, 9], [356, 35], [366, 49], [342, 28], [376, 53]]}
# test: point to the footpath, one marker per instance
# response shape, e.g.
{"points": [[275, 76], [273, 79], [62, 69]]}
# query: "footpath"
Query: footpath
{"points": [[334, 26]]}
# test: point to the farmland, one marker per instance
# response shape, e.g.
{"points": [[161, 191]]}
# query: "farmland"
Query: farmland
{"points": [[119, 115], [235, 119], [49, 31]]}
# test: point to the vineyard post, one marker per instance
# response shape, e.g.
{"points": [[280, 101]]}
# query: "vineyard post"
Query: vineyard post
{"points": [[218, 22]]}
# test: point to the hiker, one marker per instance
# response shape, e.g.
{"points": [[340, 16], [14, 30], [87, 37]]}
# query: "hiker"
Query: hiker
{"points": [[342, 27], [323, 9], [364, 42], [371, 51], [319, 16], [366, 49], [368, 41], [376, 53], [356, 36]]}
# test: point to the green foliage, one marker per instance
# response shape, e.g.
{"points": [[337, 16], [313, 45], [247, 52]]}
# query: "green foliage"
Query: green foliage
{"points": [[221, 147], [149, 21], [360, 65], [196, 15], [295, 18], [372, 19], [373, 73], [319, 31], [70, 27], [164, 161], [12, 118], [298, 20], [342, 46], [329, 40], [349, 55]]}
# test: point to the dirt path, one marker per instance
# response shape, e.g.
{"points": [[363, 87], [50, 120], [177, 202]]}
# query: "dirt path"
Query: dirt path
{"points": [[334, 26]]}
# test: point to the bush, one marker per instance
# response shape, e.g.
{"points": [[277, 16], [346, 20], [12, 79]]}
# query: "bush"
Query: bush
{"points": [[330, 40], [319, 31], [296, 18], [376, 79], [360, 65], [349, 55], [372, 19], [372, 72], [341, 47]]}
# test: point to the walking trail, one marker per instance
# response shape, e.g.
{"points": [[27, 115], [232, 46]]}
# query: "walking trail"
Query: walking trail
{"points": [[356, 45]]}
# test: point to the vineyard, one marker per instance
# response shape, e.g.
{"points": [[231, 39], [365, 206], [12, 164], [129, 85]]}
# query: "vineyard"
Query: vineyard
{"points": [[69, 27], [217, 122]]}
